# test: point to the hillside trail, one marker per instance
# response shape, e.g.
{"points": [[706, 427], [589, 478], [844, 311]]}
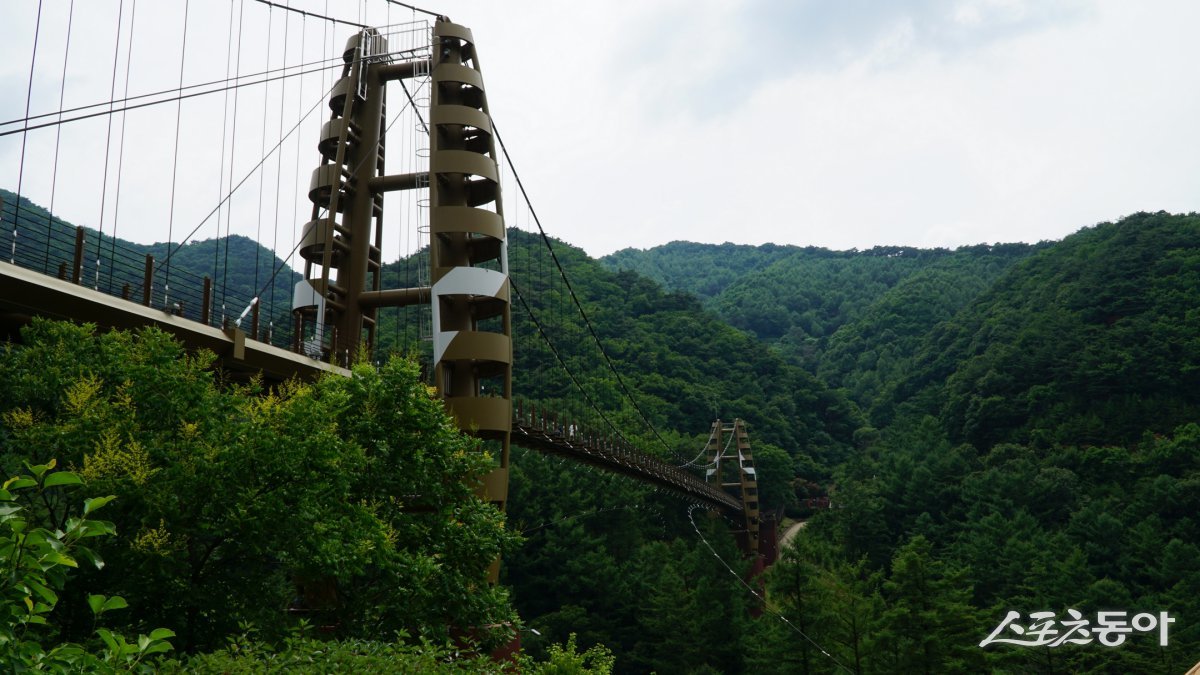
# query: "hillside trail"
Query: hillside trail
{"points": [[790, 534]]}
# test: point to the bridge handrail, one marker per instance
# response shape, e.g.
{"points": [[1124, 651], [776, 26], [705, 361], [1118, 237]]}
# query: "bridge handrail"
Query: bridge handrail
{"points": [[41, 243], [545, 431]]}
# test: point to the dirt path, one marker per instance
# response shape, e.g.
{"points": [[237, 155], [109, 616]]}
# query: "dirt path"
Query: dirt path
{"points": [[790, 534]]}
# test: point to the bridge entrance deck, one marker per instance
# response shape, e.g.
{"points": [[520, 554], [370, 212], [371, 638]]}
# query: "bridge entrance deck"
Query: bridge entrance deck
{"points": [[25, 293]]}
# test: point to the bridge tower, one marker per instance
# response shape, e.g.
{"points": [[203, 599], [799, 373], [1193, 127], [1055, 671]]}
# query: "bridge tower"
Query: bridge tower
{"points": [[731, 468], [335, 306], [468, 253]]}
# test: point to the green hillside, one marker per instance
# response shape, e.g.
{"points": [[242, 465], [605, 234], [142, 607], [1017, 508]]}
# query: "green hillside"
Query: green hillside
{"points": [[1092, 341], [1006, 427], [879, 344], [1042, 450], [704, 270], [1034, 445], [599, 544], [797, 298]]}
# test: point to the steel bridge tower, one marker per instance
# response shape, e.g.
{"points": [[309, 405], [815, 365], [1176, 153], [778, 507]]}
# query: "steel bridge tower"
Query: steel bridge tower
{"points": [[731, 468], [336, 305]]}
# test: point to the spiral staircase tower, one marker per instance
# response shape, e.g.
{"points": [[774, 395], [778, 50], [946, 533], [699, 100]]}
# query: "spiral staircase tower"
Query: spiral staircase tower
{"points": [[335, 306]]}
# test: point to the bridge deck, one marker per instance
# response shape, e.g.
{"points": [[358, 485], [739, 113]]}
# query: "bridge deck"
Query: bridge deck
{"points": [[625, 461], [25, 293]]}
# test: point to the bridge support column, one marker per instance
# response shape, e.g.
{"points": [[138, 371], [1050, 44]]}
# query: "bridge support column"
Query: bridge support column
{"points": [[468, 251], [468, 254], [341, 245], [731, 468]]}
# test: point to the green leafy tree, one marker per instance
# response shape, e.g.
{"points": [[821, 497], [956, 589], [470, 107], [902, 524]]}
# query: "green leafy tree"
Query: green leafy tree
{"points": [[346, 500], [929, 625], [567, 660], [41, 541], [776, 471]]}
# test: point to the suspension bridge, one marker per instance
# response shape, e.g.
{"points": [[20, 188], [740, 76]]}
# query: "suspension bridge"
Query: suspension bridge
{"points": [[341, 143]]}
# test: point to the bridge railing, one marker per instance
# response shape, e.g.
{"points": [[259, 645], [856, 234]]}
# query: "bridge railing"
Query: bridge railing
{"points": [[544, 430], [31, 239]]}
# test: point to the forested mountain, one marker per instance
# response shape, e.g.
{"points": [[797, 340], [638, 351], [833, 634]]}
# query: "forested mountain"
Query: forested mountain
{"points": [[1093, 341], [878, 345], [600, 547], [798, 298], [1041, 450], [687, 366], [704, 270], [1000, 428], [1034, 446]]}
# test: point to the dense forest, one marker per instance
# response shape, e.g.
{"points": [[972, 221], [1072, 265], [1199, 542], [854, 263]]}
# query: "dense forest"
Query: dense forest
{"points": [[1030, 441], [797, 299], [999, 428]]}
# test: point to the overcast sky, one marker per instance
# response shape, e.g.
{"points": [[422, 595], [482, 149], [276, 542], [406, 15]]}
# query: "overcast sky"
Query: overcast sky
{"points": [[836, 123]]}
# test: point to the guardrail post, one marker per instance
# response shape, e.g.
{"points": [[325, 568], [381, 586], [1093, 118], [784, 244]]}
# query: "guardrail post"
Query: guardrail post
{"points": [[147, 280], [12, 258], [205, 309], [77, 268]]}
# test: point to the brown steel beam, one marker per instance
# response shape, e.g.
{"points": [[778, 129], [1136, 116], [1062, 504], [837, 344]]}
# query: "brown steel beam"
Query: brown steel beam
{"points": [[402, 181], [401, 71], [640, 466], [395, 297]]}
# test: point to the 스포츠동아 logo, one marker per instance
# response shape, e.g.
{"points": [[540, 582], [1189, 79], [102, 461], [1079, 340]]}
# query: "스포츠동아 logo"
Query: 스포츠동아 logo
{"points": [[1045, 629]]}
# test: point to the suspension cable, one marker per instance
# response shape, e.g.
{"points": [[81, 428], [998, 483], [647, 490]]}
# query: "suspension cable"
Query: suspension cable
{"points": [[62, 91], [278, 175], [175, 157], [173, 99], [324, 64], [296, 173], [702, 451], [37, 30], [415, 8], [221, 171], [120, 167], [237, 69], [563, 364], [111, 95], [58, 138], [312, 14], [283, 261], [574, 298], [229, 195], [263, 151]]}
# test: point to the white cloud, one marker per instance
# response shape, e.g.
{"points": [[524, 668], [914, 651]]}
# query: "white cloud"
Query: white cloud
{"points": [[849, 124]]}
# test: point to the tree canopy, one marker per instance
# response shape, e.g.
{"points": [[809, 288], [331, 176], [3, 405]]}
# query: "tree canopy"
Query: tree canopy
{"points": [[346, 501]]}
